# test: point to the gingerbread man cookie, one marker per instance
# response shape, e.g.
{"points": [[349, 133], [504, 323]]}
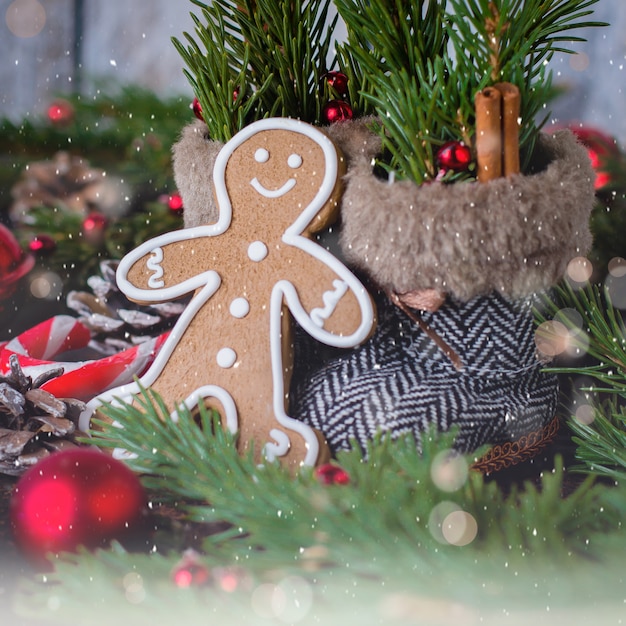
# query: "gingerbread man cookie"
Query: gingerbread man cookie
{"points": [[276, 184]]}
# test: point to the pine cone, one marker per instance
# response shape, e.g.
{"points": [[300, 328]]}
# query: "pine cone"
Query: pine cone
{"points": [[33, 422], [68, 182], [116, 322]]}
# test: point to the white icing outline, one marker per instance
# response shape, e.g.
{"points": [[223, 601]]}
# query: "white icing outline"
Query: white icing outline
{"points": [[126, 392], [277, 448], [154, 264], [273, 193], [283, 293], [220, 394]]}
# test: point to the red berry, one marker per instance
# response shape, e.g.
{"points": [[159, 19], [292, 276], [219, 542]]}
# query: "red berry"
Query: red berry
{"points": [[337, 111], [61, 112], [197, 109], [175, 202], [338, 81], [331, 474], [42, 245], [454, 155]]}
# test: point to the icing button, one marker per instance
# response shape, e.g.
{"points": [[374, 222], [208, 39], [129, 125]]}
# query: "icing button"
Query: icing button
{"points": [[257, 251], [239, 307], [226, 357]]}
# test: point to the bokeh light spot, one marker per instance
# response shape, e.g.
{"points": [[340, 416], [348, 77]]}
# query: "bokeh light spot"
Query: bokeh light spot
{"points": [[437, 516], [552, 338], [449, 470], [585, 414], [289, 601], [459, 528], [617, 267], [616, 289], [579, 269], [134, 589], [25, 18], [46, 286], [267, 600]]}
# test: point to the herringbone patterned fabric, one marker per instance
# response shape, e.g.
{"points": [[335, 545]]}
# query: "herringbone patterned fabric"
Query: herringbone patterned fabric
{"points": [[400, 381]]}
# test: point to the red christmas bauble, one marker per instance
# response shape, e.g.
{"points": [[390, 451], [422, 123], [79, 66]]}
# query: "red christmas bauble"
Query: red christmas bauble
{"points": [[337, 111], [14, 264], [338, 81], [42, 245], [331, 474], [454, 155], [600, 148], [74, 498], [61, 112], [196, 107]]}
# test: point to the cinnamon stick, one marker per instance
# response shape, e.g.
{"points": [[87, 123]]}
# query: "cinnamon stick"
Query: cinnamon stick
{"points": [[488, 134], [510, 127]]}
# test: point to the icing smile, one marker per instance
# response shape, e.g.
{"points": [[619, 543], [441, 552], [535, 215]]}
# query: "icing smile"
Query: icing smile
{"points": [[273, 193]]}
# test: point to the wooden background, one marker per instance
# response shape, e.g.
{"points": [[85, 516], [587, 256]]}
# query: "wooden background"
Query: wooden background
{"points": [[82, 41]]}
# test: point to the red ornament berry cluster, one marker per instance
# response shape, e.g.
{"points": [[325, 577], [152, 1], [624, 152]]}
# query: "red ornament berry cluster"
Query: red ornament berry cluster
{"points": [[337, 110], [331, 474]]}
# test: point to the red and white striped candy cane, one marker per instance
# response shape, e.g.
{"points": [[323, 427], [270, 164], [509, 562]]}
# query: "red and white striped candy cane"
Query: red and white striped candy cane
{"points": [[81, 379]]}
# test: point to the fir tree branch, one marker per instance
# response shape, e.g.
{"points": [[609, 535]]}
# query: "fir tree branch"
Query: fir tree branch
{"points": [[390, 498], [414, 54], [512, 40], [597, 329], [382, 530], [257, 59]]}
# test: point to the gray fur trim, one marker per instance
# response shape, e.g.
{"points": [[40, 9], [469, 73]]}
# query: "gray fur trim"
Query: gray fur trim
{"points": [[193, 160], [513, 235]]}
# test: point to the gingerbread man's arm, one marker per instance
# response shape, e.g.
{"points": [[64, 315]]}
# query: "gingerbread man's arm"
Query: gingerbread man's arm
{"points": [[153, 272], [333, 307]]}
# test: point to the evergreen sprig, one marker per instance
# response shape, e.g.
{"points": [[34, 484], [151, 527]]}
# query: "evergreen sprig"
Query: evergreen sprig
{"points": [[513, 40], [126, 130], [345, 552], [598, 330], [391, 498], [407, 78], [346, 586], [421, 65], [77, 255], [257, 59]]}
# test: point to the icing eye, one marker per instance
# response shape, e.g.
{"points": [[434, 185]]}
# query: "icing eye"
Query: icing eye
{"points": [[261, 155], [294, 161]]}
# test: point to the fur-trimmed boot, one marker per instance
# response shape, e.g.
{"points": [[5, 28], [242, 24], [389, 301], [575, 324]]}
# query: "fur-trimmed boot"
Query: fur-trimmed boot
{"points": [[476, 255]]}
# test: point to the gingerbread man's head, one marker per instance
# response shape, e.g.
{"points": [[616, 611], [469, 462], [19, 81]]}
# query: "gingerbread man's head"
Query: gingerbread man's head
{"points": [[277, 172]]}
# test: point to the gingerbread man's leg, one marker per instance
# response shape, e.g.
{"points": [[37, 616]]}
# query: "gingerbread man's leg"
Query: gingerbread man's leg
{"points": [[281, 443]]}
